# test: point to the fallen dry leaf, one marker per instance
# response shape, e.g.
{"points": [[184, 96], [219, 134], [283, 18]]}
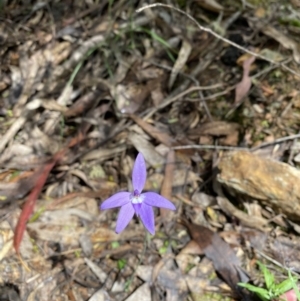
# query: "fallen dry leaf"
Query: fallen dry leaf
{"points": [[181, 177], [272, 55], [101, 275], [100, 295], [31, 200], [174, 280], [143, 293], [33, 70], [182, 58], [245, 219], [218, 128], [129, 98], [286, 251], [283, 39], [81, 105], [102, 154], [225, 262], [17, 188], [63, 100], [147, 149], [162, 137], [185, 258], [211, 5]]}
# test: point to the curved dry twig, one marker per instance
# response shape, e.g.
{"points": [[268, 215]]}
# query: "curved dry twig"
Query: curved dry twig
{"points": [[218, 36]]}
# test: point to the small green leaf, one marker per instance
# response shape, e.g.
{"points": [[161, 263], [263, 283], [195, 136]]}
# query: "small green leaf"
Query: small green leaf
{"points": [[115, 244], [285, 285], [261, 292], [77, 253], [162, 250], [295, 287], [37, 214], [121, 263], [264, 295], [269, 277]]}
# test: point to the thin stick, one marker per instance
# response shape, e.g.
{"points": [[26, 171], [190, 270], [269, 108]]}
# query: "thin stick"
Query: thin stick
{"points": [[232, 148], [279, 140], [216, 147], [173, 99], [216, 35]]}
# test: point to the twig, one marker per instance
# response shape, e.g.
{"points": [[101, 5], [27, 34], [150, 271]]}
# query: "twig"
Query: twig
{"points": [[279, 140], [173, 99], [212, 96], [275, 262], [206, 146], [233, 148], [192, 78], [268, 69], [216, 35]]}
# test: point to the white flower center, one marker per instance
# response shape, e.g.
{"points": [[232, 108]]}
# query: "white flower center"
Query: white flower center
{"points": [[137, 199]]}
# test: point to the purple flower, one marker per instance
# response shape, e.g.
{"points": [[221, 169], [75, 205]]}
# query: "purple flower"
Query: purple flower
{"points": [[136, 201]]}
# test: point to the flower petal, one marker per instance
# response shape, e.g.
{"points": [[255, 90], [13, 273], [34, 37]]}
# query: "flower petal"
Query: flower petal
{"points": [[147, 217], [156, 200], [117, 200], [139, 173], [125, 215]]}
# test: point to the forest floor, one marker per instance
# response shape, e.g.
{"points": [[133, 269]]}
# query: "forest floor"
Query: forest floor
{"points": [[208, 91]]}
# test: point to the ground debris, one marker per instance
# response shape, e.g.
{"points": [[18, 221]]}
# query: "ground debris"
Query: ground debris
{"points": [[100, 82]]}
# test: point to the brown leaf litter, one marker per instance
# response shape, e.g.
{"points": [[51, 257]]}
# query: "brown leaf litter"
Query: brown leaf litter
{"points": [[125, 82]]}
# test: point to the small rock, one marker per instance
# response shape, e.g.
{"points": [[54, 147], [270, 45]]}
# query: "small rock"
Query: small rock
{"points": [[274, 183]]}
